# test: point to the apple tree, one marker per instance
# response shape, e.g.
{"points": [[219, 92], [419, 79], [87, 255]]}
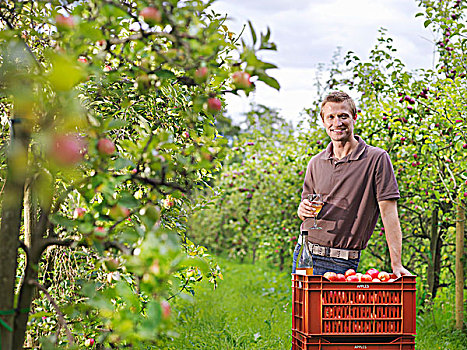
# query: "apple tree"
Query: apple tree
{"points": [[108, 127]]}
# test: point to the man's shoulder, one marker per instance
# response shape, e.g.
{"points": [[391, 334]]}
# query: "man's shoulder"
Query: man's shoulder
{"points": [[318, 156], [375, 152]]}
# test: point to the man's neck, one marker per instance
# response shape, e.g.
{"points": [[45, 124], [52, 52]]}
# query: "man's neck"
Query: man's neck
{"points": [[342, 149]]}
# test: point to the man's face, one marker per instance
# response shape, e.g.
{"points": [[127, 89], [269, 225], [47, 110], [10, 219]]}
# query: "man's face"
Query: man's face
{"points": [[338, 121]]}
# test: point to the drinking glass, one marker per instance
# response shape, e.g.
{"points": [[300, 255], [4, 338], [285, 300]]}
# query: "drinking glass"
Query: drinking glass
{"points": [[317, 204]]}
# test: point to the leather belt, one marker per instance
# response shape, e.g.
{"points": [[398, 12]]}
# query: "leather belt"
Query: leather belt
{"points": [[334, 252]]}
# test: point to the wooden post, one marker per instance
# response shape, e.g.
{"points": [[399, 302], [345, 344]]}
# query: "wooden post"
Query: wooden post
{"points": [[460, 232]]}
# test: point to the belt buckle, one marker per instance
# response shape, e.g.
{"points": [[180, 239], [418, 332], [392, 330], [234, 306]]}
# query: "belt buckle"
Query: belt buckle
{"points": [[317, 249], [339, 253]]}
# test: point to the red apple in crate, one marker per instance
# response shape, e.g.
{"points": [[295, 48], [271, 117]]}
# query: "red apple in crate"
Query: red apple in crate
{"points": [[366, 278], [392, 276], [349, 272], [383, 276], [332, 276], [340, 277], [359, 276], [376, 280], [352, 278], [373, 273]]}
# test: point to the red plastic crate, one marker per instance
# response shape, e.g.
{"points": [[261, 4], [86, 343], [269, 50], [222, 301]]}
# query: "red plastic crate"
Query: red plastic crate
{"points": [[302, 342], [324, 308]]}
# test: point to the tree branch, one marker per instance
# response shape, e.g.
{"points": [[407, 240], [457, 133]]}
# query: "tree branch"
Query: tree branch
{"points": [[61, 318]]}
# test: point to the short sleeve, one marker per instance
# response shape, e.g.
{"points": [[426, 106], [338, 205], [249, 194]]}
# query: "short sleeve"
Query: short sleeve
{"points": [[386, 184]]}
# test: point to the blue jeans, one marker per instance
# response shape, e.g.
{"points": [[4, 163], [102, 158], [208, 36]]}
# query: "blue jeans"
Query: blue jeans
{"points": [[322, 264]]}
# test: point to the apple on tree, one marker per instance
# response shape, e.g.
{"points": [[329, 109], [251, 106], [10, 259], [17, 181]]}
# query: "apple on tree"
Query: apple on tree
{"points": [[165, 309], [67, 149], [151, 15], [78, 213], [201, 75], [111, 264], [214, 105], [64, 22], [89, 342], [105, 147], [100, 233], [241, 80], [118, 212]]}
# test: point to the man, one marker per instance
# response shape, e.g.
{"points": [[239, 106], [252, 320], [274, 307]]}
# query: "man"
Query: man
{"points": [[357, 183]]}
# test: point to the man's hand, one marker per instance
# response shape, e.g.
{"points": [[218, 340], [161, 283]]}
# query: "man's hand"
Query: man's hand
{"points": [[305, 210], [400, 271]]}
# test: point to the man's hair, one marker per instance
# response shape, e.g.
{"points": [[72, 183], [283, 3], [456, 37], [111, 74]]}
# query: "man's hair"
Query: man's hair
{"points": [[338, 97]]}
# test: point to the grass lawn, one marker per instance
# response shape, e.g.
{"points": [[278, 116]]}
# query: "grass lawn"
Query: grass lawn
{"points": [[250, 309]]}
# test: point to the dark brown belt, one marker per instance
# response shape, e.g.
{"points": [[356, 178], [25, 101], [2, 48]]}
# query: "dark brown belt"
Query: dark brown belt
{"points": [[334, 252]]}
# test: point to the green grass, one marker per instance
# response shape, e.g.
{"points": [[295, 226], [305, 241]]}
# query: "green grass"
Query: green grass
{"points": [[250, 309]]}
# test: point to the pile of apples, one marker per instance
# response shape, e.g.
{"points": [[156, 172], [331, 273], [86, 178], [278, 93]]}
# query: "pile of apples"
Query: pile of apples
{"points": [[372, 275]]}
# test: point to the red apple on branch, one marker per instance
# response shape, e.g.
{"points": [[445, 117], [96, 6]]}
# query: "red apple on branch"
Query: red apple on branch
{"points": [[78, 213], [64, 22], [201, 75], [241, 80], [165, 309], [67, 149], [214, 105], [105, 147], [151, 15]]}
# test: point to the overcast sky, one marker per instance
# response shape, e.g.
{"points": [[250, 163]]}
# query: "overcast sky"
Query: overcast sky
{"points": [[307, 32]]}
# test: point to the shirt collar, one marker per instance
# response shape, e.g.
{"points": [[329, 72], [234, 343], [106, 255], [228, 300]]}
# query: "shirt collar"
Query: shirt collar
{"points": [[355, 155]]}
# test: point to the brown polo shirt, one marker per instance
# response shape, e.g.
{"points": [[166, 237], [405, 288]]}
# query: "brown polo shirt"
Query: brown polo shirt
{"points": [[351, 189]]}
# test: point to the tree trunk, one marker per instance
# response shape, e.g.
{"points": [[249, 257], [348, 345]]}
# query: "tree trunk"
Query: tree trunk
{"points": [[26, 294], [434, 264], [460, 236], [12, 206]]}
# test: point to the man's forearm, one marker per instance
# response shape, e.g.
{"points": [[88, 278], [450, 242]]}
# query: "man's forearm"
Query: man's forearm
{"points": [[393, 231]]}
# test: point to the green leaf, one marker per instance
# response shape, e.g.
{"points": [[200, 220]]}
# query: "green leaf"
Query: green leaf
{"points": [[165, 74], [272, 82], [427, 23], [117, 124], [57, 219], [253, 34], [122, 163]]}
